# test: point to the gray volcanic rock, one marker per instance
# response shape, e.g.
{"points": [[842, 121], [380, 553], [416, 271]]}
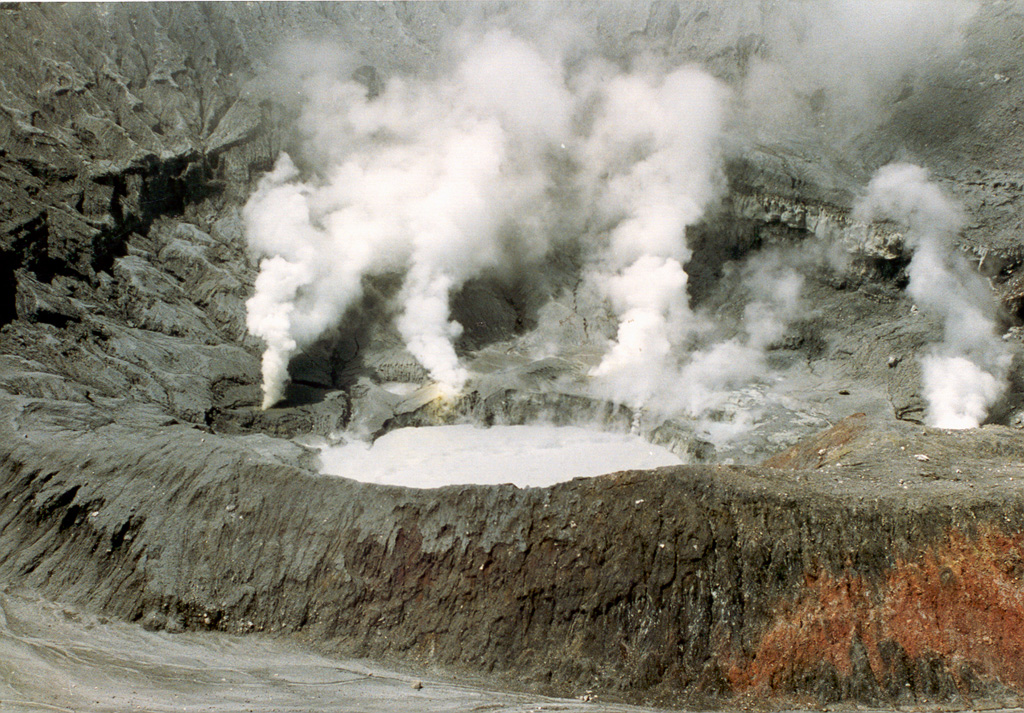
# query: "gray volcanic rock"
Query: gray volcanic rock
{"points": [[867, 559]]}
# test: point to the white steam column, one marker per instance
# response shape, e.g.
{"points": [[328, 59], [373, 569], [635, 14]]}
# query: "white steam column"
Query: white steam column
{"points": [[966, 373]]}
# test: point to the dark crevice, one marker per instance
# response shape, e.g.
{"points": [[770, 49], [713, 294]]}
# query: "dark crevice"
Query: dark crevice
{"points": [[142, 195], [59, 502], [120, 535], [70, 518], [8, 291]]}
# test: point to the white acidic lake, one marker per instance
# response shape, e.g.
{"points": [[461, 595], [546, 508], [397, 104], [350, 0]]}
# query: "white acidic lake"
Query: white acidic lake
{"points": [[526, 456]]}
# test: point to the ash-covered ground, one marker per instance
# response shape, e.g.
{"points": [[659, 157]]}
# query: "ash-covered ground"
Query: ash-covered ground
{"points": [[60, 659], [781, 241]]}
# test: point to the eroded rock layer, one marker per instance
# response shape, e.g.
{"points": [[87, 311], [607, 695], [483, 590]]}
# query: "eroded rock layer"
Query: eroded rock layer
{"points": [[876, 577]]}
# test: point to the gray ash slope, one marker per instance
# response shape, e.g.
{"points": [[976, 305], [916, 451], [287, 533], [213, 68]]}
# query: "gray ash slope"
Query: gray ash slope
{"points": [[141, 478]]}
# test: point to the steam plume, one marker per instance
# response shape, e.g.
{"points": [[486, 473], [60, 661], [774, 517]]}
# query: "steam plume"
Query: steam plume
{"points": [[429, 178], [840, 65], [520, 141], [444, 178], [657, 141], [966, 373]]}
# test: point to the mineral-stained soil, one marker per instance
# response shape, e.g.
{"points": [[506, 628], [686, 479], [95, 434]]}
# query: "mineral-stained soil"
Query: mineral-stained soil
{"points": [[876, 560]]}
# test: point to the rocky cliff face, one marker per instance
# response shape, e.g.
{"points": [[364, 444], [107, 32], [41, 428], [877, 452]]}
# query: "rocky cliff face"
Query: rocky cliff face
{"points": [[878, 562]]}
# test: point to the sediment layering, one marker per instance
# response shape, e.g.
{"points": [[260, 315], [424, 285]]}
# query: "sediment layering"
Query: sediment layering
{"points": [[228, 230]]}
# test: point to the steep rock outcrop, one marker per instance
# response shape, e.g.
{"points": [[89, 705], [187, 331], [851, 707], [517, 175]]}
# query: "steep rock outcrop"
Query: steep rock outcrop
{"points": [[676, 585]]}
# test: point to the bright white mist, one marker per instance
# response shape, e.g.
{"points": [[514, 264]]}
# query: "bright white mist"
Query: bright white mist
{"points": [[526, 456]]}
